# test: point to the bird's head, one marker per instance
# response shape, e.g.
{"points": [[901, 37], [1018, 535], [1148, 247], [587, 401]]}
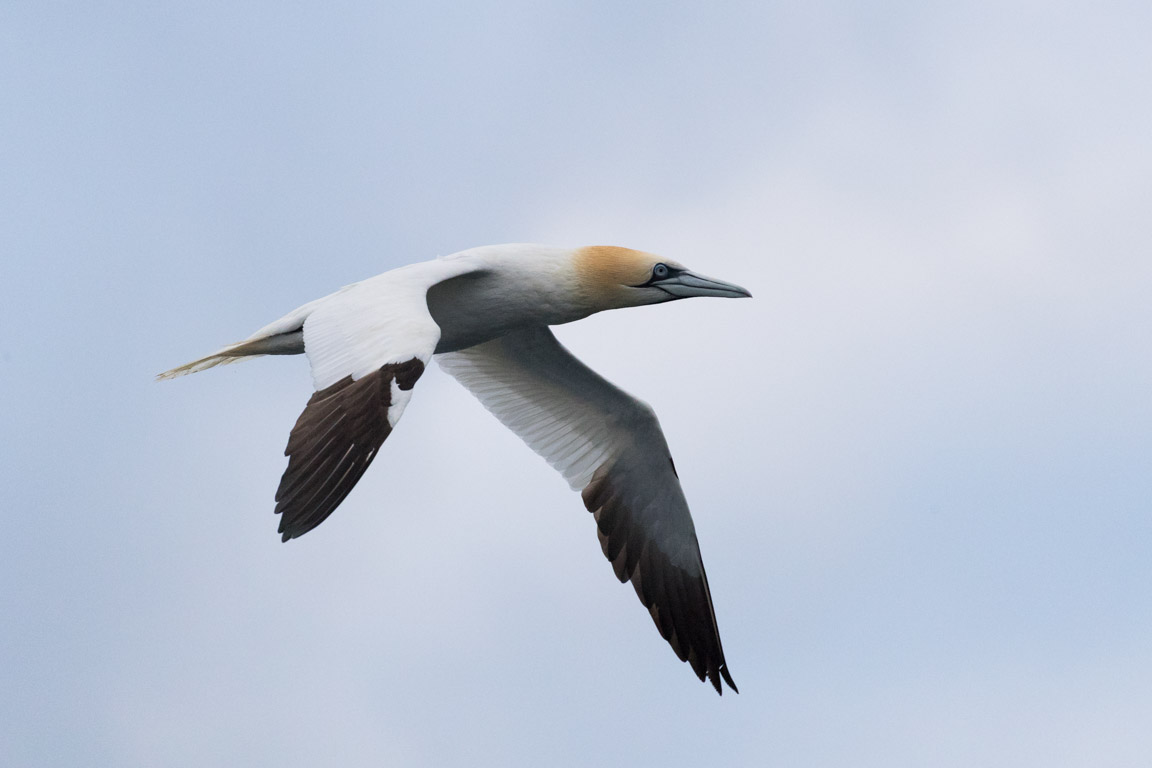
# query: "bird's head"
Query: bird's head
{"points": [[610, 278]]}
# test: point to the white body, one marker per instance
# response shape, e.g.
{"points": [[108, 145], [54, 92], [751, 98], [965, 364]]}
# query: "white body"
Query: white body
{"points": [[485, 314]]}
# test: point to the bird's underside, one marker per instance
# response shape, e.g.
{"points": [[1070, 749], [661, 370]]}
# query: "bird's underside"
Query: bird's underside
{"points": [[369, 344]]}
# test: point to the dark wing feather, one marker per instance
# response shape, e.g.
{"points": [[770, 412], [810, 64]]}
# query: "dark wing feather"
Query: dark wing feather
{"points": [[664, 566], [609, 444], [334, 441]]}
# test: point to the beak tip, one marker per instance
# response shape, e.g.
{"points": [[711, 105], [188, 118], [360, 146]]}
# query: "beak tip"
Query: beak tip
{"points": [[687, 284]]}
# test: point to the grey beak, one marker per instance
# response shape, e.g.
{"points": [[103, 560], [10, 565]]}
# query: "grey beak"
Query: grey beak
{"points": [[685, 284]]}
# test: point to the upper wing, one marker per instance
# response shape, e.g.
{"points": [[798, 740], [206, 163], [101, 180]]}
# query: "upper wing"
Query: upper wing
{"points": [[607, 443], [368, 344]]}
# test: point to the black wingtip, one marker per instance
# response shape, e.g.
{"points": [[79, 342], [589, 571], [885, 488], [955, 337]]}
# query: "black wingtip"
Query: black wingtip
{"points": [[334, 441], [715, 680], [727, 679]]}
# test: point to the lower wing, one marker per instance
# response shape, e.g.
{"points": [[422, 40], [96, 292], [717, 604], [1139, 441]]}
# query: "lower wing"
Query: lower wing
{"points": [[610, 446]]}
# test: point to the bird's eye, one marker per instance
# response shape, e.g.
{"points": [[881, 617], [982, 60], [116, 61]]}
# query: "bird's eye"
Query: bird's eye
{"points": [[660, 271]]}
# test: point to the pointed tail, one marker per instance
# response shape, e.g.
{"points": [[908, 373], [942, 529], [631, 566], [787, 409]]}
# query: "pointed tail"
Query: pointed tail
{"points": [[283, 337], [290, 343]]}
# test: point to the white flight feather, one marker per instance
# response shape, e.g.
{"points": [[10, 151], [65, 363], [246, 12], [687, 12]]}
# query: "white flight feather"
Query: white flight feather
{"points": [[570, 433], [578, 421], [360, 327], [382, 320]]}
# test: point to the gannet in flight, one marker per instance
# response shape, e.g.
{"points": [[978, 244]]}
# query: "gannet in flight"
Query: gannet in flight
{"points": [[484, 314]]}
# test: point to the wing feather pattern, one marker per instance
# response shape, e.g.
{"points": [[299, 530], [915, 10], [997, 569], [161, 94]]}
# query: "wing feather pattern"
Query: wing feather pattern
{"points": [[367, 343], [610, 446], [334, 441]]}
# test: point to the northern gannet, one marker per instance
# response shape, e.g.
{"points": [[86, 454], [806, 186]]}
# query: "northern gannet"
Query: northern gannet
{"points": [[484, 314]]}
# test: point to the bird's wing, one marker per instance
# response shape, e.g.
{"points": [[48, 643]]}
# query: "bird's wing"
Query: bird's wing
{"points": [[368, 344], [610, 446]]}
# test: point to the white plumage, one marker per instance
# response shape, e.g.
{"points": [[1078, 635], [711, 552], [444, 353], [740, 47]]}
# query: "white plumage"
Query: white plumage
{"points": [[484, 314]]}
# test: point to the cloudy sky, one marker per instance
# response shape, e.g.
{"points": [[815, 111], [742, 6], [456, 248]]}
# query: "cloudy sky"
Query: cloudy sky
{"points": [[919, 459]]}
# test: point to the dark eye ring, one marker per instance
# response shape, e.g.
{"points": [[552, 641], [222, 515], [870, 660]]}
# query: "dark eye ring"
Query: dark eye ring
{"points": [[660, 271]]}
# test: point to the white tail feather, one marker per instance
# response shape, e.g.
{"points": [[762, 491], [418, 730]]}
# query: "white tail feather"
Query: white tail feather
{"points": [[283, 337], [211, 361]]}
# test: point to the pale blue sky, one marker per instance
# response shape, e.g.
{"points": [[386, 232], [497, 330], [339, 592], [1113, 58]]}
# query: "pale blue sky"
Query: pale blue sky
{"points": [[918, 459]]}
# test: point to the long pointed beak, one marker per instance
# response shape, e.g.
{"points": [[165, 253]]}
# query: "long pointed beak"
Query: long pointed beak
{"points": [[684, 284]]}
